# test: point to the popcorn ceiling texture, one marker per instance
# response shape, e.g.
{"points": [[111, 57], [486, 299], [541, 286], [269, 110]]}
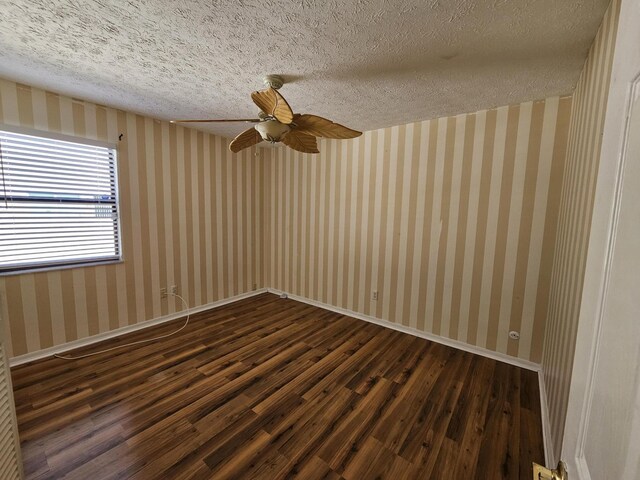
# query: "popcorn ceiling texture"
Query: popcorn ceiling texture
{"points": [[367, 64]]}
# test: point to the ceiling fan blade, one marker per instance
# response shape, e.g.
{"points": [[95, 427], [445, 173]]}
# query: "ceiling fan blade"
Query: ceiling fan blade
{"points": [[274, 104], [300, 141], [246, 139], [322, 127], [251, 120]]}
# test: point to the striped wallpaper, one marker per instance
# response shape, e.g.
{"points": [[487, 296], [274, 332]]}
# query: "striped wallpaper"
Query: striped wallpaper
{"points": [[191, 215], [452, 221], [576, 206]]}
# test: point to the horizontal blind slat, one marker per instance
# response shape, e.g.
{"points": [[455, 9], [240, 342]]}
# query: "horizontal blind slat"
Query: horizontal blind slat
{"points": [[47, 244], [54, 236], [11, 148], [19, 171], [57, 254], [71, 169], [30, 141], [52, 161]]}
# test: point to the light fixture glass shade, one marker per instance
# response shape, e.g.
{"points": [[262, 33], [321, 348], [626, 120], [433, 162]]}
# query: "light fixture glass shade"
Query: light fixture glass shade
{"points": [[271, 130]]}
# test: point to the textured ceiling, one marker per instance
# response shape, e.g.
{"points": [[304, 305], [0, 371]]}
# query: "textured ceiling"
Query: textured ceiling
{"points": [[367, 64]]}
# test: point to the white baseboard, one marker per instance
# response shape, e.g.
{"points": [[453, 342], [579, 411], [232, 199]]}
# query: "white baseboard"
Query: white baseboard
{"points": [[47, 352], [549, 456], [501, 357], [28, 357]]}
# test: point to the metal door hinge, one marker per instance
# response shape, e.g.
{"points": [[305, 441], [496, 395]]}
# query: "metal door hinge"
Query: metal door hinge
{"points": [[543, 473]]}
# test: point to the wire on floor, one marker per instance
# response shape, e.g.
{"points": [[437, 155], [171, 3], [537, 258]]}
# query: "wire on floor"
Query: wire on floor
{"points": [[139, 341]]}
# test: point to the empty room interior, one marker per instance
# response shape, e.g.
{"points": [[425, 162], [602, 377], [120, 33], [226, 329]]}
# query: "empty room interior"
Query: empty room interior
{"points": [[319, 240]]}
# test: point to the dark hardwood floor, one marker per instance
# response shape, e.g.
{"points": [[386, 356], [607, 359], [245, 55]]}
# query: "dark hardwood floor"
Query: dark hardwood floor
{"points": [[269, 388]]}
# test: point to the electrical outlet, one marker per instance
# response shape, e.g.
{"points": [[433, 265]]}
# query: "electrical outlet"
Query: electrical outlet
{"points": [[163, 293], [514, 335], [173, 289], [374, 295]]}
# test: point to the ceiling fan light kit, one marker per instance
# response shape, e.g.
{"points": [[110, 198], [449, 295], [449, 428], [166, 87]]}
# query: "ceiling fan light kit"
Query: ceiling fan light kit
{"points": [[272, 130], [276, 122]]}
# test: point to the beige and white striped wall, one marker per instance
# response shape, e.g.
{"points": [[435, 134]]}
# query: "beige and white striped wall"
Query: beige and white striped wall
{"points": [[452, 221], [576, 207], [190, 216]]}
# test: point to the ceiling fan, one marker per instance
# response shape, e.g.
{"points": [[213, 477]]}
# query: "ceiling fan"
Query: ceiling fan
{"points": [[276, 122]]}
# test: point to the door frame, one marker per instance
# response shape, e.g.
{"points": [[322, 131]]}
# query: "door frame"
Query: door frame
{"points": [[623, 89]]}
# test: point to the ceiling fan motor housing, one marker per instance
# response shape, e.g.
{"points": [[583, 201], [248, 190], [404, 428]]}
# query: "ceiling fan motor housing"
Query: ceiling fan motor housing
{"points": [[273, 81]]}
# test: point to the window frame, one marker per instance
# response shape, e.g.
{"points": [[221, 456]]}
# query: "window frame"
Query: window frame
{"points": [[50, 265]]}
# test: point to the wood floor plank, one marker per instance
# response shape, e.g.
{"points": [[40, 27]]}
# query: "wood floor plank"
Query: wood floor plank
{"points": [[341, 446], [315, 421], [471, 422], [440, 417], [494, 451], [270, 388]]}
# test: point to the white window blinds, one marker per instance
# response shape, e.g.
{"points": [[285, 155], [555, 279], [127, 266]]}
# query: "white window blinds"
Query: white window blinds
{"points": [[58, 203]]}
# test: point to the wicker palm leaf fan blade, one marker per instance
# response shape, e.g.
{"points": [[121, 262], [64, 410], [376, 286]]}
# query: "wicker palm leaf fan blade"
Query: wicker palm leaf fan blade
{"points": [[301, 142], [322, 127], [273, 104], [278, 123], [246, 139]]}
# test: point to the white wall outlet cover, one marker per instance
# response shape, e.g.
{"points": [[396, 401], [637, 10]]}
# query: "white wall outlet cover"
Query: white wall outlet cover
{"points": [[514, 335]]}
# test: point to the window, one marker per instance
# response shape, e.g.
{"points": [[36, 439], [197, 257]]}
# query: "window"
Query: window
{"points": [[58, 202]]}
